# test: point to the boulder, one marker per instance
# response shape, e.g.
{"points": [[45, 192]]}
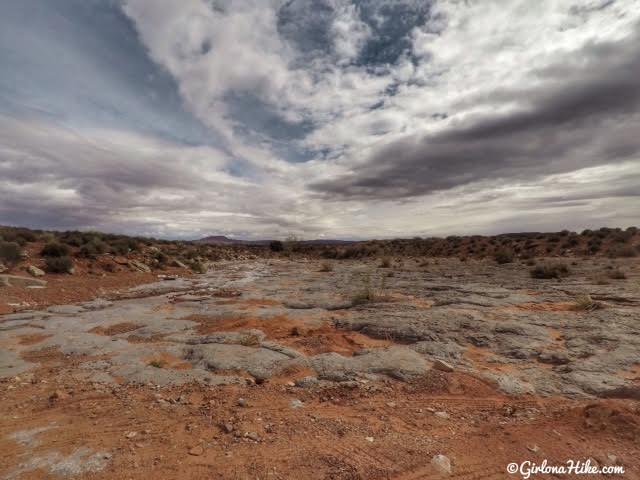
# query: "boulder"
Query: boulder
{"points": [[35, 271], [3, 268]]}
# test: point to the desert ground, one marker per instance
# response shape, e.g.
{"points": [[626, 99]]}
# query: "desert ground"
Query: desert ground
{"points": [[294, 368]]}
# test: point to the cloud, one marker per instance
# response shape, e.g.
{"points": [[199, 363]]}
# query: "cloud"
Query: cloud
{"points": [[580, 113], [343, 118]]}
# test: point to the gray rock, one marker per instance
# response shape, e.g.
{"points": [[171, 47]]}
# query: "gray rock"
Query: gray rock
{"points": [[66, 309], [261, 363], [442, 366], [139, 266], [18, 281], [307, 382], [554, 358], [441, 464], [35, 271], [444, 350], [11, 364], [295, 403], [397, 362]]}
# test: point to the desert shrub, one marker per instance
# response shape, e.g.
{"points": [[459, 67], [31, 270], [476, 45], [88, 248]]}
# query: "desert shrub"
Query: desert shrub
{"points": [[160, 259], [73, 239], [250, 340], [550, 270], [622, 237], [276, 246], [503, 255], [617, 274], [123, 246], [10, 252], [59, 264], [622, 251], [326, 267], [572, 241], [17, 235], [601, 280], [93, 247], [369, 294], [586, 303], [55, 249], [197, 266], [157, 363]]}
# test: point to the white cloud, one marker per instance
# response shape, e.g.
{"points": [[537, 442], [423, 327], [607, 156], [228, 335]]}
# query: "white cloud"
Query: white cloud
{"points": [[469, 58]]}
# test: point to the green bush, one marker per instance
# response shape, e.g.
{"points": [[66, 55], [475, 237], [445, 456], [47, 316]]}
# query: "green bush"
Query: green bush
{"points": [[59, 264], [10, 252], [55, 249]]}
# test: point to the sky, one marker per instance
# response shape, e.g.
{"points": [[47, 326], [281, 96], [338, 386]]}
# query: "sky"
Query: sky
{"points": [[319, 118]]}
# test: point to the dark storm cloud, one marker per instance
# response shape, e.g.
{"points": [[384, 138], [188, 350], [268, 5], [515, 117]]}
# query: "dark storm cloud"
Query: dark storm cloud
{"points": [[586, 114]]}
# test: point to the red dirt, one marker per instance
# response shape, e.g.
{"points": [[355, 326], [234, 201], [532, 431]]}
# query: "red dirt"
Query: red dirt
{"points": [[294, 333], [32, 338], [327, 438]]}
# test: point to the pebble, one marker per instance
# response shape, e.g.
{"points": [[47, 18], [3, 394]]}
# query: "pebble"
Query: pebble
{"points": [[442, 464], [242, 402], [295, 403], [227, 427], [197, 451], [252, 436], [443, 415]]}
